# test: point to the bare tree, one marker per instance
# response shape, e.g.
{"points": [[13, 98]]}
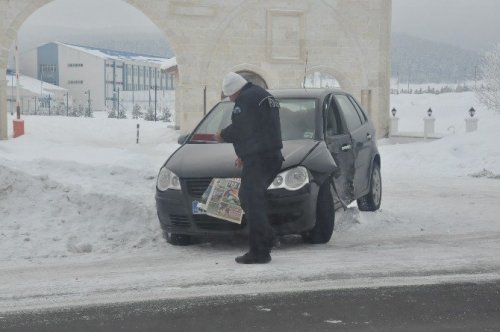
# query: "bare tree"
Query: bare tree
{"points": [[489, 92]]}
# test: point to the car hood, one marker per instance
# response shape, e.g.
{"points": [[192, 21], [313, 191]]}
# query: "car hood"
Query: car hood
{"points": [[217, 160]]}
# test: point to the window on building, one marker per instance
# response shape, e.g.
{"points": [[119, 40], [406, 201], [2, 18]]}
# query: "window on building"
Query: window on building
{"points": [[75, 64], [48, 68], [75, 82]]}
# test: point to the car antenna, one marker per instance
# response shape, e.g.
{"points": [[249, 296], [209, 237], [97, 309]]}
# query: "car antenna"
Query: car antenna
{"points": [[305, 71]]}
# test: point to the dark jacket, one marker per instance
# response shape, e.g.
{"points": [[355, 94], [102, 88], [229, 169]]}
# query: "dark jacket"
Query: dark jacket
{"points": [[255, 126]]}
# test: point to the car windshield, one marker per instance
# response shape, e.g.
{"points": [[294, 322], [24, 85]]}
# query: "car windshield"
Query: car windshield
{"points": [[297, 120]]}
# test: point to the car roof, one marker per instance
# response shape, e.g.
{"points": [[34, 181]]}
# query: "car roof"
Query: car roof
{"points": [[303, 92]]}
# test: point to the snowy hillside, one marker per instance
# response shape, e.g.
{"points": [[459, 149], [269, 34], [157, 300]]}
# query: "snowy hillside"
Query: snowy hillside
{"points": [[428, 61], [77, 211]]}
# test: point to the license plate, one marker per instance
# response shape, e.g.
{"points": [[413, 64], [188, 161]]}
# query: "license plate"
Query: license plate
{"points": [[196, 209]]}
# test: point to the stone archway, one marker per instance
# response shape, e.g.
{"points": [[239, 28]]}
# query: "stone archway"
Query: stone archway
{"points": [[254, 78], [340, 76], [270, 38]]}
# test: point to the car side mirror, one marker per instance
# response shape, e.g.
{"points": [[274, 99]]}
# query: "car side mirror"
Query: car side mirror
{"points": [[182, 138]]}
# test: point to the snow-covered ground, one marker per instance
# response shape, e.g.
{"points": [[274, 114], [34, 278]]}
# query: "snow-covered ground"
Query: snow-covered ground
{"points": [[78, 222]]}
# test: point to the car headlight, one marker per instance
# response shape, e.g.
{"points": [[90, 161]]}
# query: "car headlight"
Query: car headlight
{"points": [[292, 179], [167, 180]]}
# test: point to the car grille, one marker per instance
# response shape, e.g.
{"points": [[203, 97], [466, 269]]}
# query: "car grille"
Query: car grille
{"points": [[211, 223], [197, 186], [179, 220]]}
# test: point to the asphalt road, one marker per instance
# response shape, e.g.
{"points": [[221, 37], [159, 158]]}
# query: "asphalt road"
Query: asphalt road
{"points": [[456, 307]]}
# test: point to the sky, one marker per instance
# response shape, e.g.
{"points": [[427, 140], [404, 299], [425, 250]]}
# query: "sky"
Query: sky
{"points": [[90, 14], [470, 24]]}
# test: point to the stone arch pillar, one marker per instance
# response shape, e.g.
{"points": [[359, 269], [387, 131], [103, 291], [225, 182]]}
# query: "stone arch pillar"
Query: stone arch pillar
{"points": [[12, 15]]}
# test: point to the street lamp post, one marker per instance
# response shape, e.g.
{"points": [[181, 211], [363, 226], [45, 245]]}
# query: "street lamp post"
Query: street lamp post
{"points": [[12, 96], [155, 87], [41, 81], [118, 104], [88, 93]]}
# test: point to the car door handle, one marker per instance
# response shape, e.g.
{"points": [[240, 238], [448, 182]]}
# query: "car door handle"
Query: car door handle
{"points": [[346, 147], [369, 136]]}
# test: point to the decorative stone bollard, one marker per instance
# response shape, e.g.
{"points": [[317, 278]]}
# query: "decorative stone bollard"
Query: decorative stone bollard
{"points": [[429, 123], [471, 123], [394, 123]]}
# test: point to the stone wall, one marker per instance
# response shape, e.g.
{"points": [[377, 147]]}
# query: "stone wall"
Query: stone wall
{"points": [[349, 39]]}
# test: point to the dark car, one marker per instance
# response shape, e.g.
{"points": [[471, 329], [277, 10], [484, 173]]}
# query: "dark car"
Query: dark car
{"points": [[331, 159]]}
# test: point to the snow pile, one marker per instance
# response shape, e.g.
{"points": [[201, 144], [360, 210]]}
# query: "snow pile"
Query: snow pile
{"points": [[73, 186], [47, 219]]}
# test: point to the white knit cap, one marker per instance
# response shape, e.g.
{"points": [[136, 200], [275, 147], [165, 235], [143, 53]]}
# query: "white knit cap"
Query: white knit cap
{"points": [[232, 83]]}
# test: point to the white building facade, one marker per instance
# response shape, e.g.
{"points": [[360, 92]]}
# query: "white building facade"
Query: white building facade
{"points": [[96, 77]]}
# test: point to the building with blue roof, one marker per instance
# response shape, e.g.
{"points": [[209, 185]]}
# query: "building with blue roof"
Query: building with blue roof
{"points": [[107, 79]]}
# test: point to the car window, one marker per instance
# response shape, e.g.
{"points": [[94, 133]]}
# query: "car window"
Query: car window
{"points": [[360, 111], [297, 118], [333, 124], [349, 112], [218, 119]]}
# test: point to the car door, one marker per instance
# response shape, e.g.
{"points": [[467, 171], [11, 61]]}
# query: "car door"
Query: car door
{"points": [[339, 144], [359, 130]]}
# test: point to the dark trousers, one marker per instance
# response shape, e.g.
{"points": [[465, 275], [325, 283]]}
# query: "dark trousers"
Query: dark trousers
{"points": [[258, 172]]}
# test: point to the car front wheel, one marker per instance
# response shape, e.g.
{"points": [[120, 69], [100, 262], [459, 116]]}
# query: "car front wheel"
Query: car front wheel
{"points": [[325, 217], [177, 239], [372, 200]]}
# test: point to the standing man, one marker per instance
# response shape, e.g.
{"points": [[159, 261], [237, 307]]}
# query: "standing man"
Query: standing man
{"points": [[255, 133]]}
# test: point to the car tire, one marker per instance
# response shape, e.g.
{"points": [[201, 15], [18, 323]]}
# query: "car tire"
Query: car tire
{"points": [[177, 239], [325, 217], [372, 200]]}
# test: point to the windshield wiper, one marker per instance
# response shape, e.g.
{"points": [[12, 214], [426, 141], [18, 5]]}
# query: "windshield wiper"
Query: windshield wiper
{"points": [[202, 142]]}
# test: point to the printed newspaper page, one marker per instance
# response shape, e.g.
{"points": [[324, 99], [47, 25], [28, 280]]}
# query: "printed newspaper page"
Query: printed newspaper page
{"points": [[220, 200]]}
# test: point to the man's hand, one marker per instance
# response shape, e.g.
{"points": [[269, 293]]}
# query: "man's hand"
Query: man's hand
{"points": [[238, 163], [218, 137]]}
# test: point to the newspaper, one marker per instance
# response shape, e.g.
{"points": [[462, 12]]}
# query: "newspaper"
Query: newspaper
{"points": [[220, 200]]}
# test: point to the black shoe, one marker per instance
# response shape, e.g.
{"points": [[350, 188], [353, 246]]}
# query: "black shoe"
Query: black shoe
{"points": [[253, 258]]}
